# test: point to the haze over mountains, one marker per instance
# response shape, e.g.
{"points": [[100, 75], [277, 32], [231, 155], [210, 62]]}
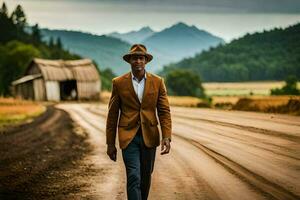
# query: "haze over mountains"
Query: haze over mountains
{"points": [[169, 45]]}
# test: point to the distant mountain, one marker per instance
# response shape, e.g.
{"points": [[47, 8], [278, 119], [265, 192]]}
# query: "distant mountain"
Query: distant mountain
{"points": [[106, 51], [267, 55], [134, 36], [169, 45], [177, 42]]}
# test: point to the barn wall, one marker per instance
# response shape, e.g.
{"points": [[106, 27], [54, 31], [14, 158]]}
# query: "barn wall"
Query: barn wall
{"points": [[25, 90], [88, 90], [34, 69], [52, 90], [39, 89]]}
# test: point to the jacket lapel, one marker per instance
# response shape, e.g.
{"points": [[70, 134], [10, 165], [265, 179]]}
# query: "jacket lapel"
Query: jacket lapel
{"points": [[147, 87]]}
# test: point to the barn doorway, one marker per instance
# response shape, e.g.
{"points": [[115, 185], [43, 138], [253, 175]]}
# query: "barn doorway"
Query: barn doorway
{"points": [[68, 90]]}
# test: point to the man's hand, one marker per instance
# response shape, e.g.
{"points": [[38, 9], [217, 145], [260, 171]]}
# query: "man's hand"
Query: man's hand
{"points": [[165, 146], [112, 152]]}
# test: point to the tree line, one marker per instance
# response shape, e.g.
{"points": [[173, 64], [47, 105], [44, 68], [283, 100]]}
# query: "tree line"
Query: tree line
{"points": [[20, 43]]}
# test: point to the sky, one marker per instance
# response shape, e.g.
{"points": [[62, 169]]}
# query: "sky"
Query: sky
{"points": [[229, 19]]}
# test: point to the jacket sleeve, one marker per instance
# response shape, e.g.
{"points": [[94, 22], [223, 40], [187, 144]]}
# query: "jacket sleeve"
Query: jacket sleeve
{"points": [[113, 115], [163, 111]]}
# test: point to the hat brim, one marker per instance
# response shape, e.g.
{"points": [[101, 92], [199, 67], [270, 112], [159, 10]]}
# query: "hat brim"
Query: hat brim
{"points": [[126, 57]]}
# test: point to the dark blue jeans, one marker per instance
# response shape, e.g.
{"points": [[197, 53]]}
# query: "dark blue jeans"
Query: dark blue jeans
{"points": [[139, 163]]}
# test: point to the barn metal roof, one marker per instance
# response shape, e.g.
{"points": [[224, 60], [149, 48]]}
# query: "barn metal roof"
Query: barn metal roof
{"points": [[59, 70], [26, 78]]}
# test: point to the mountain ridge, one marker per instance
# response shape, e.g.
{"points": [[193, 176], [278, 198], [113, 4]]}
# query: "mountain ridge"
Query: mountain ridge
{"points": [[169, 45]]}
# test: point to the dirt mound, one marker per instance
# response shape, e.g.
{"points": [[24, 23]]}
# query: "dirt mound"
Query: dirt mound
{"points": [[292, 106]]}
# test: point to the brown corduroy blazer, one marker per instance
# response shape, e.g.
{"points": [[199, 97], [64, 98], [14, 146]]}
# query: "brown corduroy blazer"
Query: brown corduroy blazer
{"points": [[126, 114]]}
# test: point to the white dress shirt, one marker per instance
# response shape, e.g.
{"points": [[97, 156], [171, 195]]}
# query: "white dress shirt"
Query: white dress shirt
{"points": [[139, 86]]}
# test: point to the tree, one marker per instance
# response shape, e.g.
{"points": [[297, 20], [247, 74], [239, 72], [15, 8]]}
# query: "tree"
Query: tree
{"points": [[184, 83], [4, 11], [51, 42], [17, 56], [18, 17], [8, 29], [106, 76], [290, 87], [58, 43], [36, 34]]}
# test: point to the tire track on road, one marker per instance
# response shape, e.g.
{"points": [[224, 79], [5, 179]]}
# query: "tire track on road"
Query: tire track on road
{"points": [[200, 186], [106, 182], [293, 138], [199, 190], [245, 139], [259, 183], [262, 185]]}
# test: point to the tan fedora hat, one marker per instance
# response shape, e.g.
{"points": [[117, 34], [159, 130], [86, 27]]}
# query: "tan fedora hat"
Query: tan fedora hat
{"points": [[137, 49]]}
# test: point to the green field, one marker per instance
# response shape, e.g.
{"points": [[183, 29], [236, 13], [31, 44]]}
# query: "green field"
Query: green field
{"points": [[242, 88]]}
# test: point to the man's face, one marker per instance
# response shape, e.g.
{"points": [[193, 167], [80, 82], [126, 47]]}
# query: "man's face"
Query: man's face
{"points": [[138, 62]]}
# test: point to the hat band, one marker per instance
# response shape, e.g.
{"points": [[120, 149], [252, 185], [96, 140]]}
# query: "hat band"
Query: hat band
{"points": [[138, 52]]}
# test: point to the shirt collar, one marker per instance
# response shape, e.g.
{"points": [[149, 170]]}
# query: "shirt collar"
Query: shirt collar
{"points": [[133, 77]]}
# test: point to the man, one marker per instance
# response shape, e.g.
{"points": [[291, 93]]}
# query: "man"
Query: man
{"points": [[136, 98]]}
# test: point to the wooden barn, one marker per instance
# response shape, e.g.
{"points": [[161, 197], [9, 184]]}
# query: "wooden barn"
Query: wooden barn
{"points": [[56, 80]]}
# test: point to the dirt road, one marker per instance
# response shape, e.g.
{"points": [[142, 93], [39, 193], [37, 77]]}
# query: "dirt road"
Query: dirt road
{"points": [[43, 159], [215, 155]]}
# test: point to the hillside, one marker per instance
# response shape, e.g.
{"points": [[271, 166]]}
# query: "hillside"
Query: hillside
{"points": [[106, 51], [268, 55], [177, 42], [169, 45]]}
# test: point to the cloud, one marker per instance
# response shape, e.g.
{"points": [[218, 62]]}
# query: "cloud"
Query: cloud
{"points": [[277, 6], [203, 6]]}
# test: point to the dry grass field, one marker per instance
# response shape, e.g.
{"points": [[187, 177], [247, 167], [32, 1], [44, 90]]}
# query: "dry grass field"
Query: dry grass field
{"points": [[228, 95], [185, 101], [239, 101], [260, 99], [13, 111]]}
